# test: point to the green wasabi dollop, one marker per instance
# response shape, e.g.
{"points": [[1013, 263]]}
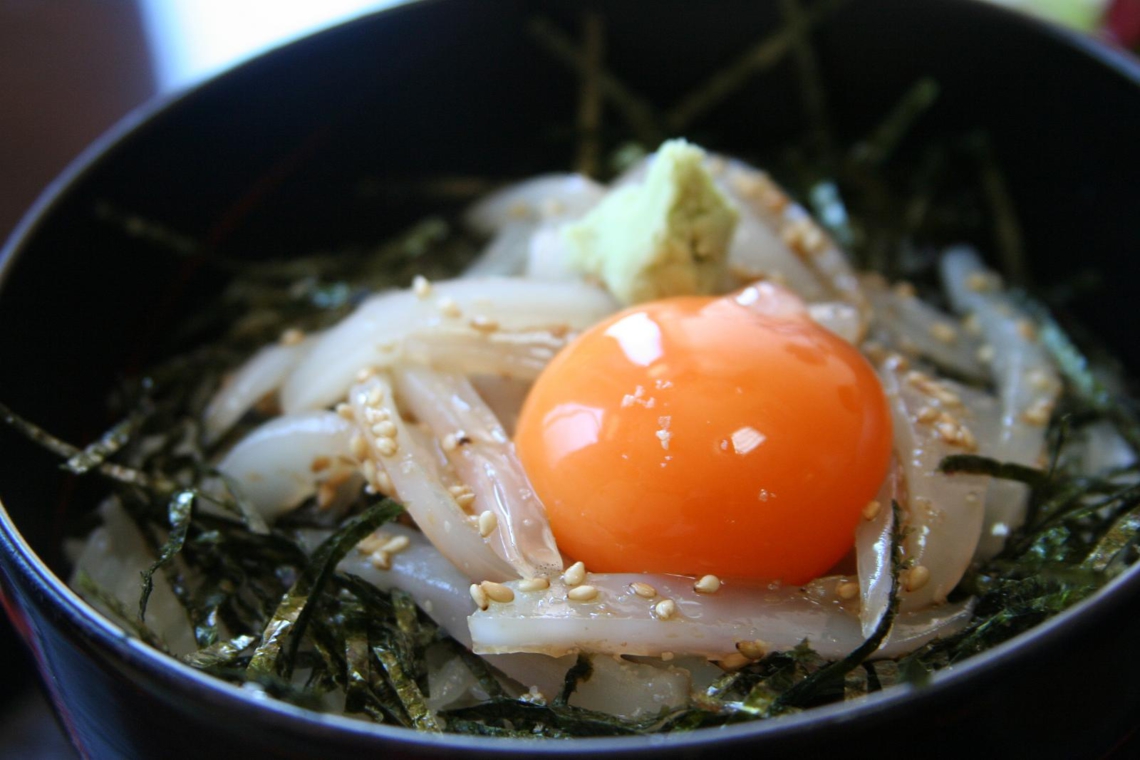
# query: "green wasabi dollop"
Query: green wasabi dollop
{"points": [[665, 236]]}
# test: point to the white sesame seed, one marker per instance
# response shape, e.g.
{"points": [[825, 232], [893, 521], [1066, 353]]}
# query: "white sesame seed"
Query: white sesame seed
{"points": [[666, 609], [421, 286], [448, 443], [848, 590], [943, 332], [707, 584], [291, 337], [375, 395], [753, 650], [575, 574], [497, 592], [926, 414], [367, 373], [644, 590], [396, 544], [734, 661], [978, 282], [387, 446], [1038, 413], [534, 584], [916, 578], [872, 509], [582, 593], [905, 289], [484, 324], [385, 429], [479, 596], [465, 499], [448, 307], [380, 560], [383, 483], [345, 412], [487, 523]]}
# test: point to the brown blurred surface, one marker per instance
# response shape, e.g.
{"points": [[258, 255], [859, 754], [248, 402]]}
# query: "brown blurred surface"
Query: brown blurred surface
{"points": [[69, 69]]}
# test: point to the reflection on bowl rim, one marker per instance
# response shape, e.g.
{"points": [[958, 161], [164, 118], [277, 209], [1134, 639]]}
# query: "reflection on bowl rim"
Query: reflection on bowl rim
{"points": [[1082, 616]]}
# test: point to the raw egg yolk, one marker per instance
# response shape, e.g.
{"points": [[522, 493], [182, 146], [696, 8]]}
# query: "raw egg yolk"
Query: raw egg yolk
{"points": [[731, 436]]}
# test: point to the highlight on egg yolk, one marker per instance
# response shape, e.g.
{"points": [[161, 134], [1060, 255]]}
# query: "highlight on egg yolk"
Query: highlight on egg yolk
{"points": [[731, 436]]}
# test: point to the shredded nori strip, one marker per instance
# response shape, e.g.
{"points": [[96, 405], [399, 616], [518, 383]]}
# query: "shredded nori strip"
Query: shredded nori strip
{"points": [[292, 616]]}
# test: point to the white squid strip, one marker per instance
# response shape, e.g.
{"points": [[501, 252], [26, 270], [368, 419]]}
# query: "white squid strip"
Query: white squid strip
{"points": [[798, 234], [262, 374], [915, 327], [518, 355], [277, 466], [419, 489], [873, 545], [506, 253], [618, 621], [1103, 449], [486, 463], [841, 318], [942, 513], [559, 197], [371, 335], [1027, 382], [505, 397], [548, 256], [442, 592]]}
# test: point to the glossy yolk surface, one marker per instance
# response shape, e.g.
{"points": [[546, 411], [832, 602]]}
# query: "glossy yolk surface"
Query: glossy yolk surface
{"points": [[707, 435]]}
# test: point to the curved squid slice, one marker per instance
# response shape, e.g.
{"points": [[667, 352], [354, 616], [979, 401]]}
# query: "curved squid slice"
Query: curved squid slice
{"points": [[942, 514], [619, 687], [262, 374], [393, 455], [471, 351], [607, 615], [797, 236], [371, 336], [1027, 382], [484, 458], [549, 197], [873, 544], [283, 462], [521, 218], [914, 327]]}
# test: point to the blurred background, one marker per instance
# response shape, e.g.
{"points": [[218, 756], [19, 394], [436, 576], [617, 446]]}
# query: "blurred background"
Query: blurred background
{"points": [[70, 69]]}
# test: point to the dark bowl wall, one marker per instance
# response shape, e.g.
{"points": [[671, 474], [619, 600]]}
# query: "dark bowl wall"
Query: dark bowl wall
{"points": [[283, 156]]}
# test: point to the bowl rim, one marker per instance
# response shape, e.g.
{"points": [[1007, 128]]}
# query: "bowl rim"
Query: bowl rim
{"points": [[114, 641]]}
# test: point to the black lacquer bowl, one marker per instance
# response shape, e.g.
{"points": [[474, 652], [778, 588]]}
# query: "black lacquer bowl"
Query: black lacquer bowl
{"points": [[282, 156]]}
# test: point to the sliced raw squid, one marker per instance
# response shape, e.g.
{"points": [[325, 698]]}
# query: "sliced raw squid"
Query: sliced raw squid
{"points": [[397, 464], [371, 337], [942, 514], [916, 328], [615, 613], [282, 463], [484, 458], [1026, 379], [262, 374]]}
